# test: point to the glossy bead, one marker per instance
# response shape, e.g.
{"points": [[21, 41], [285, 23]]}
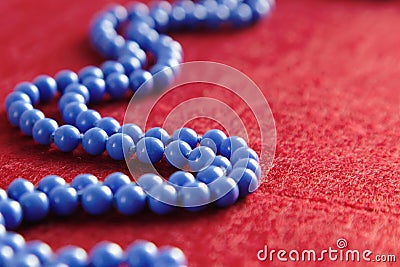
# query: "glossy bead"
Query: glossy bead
{"points": [[43, 130], [149, 150], [30, 89], [119, 145], [161, 18], [176, 153], [109, 125], [180, 178], [259, 8], [224, 191], [25, 260], [87, 119], [71, 111], [47, 87], [78, 89], [14, 240], [106, 254], [16, 110], [41, 250], [159, 133], [132, 49], [28, 119], [3, 194], [117, 85], [35, 206], [72, 256], [19, 187], [96, 199], [63, 200], [249, 164], [90, 71], [186, 134], [241, 16], [130, 64], [246, 180], [6, 255], [222, 162], [130, 199], [149, 180], [194, 196], [143, 80], [243, 153], [66, 138], [111, 66], [65, 78], [16, 96], [200, 158], [96, 87], [208, 142], [12, 213], [68, 98], [231, 144], [49, 182], [133, 131], [170, 256], [163, 76], [162, 199], [209, 174], [217, 136], [116, 180], [81, 181], [141, 254], [94, 141]]}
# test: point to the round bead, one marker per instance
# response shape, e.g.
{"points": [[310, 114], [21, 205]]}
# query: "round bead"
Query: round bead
{"points": [[49, 182], [170, 256], [35, 206], [6, 255], [63, 200], [149, 150], [3, 195], [68, 98], [208, 142], [148, 181], [94, 141], [143, 80], [65, 78], [243, 153], [130, 64], [259, 8], [246, 180], [25, 260], [96, 199], [30, 89], [119, 145], [67, 138], [12, 213], [14, 240], [194, 196], [43, 130], [16, 110], [133, 131], [19, 187], [130, 199], [162, 199], [249, 164], [111, 66], [116, 180], [241, 16], [223, 163], [177, 152], [71, 111], [180, 178], [86, 120], [230, 145], [217, 136], [90, 71], [108, 124], [41, 250], [78, 89], [224, 191], [117, 85], [141, 253], [163, 76], [200, 158], [81, 181], [47, 87], [159, 133], [96, 87], [72, 256], [210, 174], [28, 119], [186, 134], [106, 254], [16, 96]]}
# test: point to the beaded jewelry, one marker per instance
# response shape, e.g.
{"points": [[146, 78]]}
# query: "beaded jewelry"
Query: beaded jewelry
{"points": [[226, 168]]}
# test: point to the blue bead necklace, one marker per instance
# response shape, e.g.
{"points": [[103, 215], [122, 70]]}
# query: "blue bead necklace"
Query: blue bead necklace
{"points": [[225, 168]]}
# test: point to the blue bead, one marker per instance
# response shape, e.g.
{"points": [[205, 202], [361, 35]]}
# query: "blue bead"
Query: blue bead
{"points": [[43, 130], [194, 196], [96, 87], [162, 199], [222, 162], [117, 85], [81, 181], [90, 71], [176, 153], [149, 180], [94, 141], [246, 180], [132, 130], [71, 111], [163, 76], [19, 187], [177, 17], [41, 250], [210, 174], [116, 180], [241, 16], [67, 138], [149, 150], [259, 8], [47, 87], [49, 182], [200, 158], [230, 145], [16, 96], [143, 80], [111, 66], [217, 136], [2, 223], [24, 260], [16, 110], [3, 194], [6, 255], [159, 133], [119, 146], [68, 98], [208, 142], [224, 191], [249, 164], [141, 254], [161, 18], [130, 199], [180, 178], [28, 119], [14, 240], [132, 49], [63, 200], [96, 199], [130, 64], [217, 16], [106, 254], [186, 134], [12, 213], [109, 125], [72, 256], [78, 89], [170, 256], [35, 206], [87, 119], [65, 78], [30, 89], [243, 153]]}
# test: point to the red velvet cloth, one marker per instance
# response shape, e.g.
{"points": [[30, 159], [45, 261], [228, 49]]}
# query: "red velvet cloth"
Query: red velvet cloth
{"points": [[330, 71]]}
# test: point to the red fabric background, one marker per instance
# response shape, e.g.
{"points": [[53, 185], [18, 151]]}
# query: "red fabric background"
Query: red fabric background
{"points": [[330, 71]]}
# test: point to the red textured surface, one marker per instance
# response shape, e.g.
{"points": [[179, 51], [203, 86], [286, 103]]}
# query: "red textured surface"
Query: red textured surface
{"points": [[330, 71]]}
